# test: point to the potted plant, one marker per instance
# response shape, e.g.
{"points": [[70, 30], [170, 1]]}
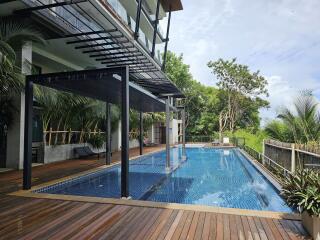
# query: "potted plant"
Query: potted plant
{"points": [[96, 141], [302, 191]]}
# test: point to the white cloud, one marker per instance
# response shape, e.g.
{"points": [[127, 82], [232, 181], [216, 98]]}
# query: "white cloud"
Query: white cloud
{"points": [[279, 37]]}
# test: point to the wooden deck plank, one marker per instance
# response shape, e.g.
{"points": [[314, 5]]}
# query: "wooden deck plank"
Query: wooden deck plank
{"points": [[253, 228], [240, 227], [162, 231], [246, 228], [234, 228], [213, 226], [57, 222], [262, 233], [200, 226], [267, 229], [226, 227], [30, 218], [163, 216], [133, 224], [180, 226], [84, 219], [185, 230], [206, 227], [174, 225], [149, 221], [279, 227], [193, 226], [273, 228], [57, 219], [220, 226], [288, 229]]}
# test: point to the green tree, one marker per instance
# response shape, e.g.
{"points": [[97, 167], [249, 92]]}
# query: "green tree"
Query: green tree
{"points": [[240, 95]]}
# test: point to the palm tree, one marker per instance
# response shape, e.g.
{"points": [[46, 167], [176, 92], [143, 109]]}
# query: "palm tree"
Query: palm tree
{"points": [[13, 34], [303, 124]]}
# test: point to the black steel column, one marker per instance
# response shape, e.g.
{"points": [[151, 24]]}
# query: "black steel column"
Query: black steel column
{"points": [[155, 30], [183, 116], [136, 32], [167, 134], [141, 133], [167, 40], [108, 134], [27, 161], [125, 132]]}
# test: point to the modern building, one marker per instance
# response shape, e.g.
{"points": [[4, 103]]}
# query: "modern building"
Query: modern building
{"points": [[89, 40]]}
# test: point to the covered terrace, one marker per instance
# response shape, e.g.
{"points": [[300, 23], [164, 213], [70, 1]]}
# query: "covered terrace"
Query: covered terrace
{"points": [[112, 86]]}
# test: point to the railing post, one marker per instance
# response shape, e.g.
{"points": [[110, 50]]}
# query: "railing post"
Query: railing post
{"points": [[167, 40], [293, 158], [263, 151], [136, 32], [155, 30]]}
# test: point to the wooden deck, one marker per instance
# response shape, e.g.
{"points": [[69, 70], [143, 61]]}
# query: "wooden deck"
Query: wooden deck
{"points": [[30, 218]]}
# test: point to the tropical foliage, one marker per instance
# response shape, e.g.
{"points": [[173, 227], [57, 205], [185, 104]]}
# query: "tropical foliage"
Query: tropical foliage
{"points": [[206, 105], [13, 34], [302, 191], [300, 125]]}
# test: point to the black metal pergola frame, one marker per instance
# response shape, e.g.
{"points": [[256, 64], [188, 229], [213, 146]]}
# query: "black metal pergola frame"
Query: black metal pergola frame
{"points": [[110, 85], [85, 26], [107, 43]]}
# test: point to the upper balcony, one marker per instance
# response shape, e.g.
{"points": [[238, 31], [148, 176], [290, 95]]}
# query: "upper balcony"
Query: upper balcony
{"points": [[107, 34]]}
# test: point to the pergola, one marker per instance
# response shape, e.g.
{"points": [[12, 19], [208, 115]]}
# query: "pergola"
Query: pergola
{"points": [[110, 85], [127, 73]]}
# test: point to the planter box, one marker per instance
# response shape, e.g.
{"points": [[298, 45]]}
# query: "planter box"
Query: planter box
{"points": [[312, 224]]}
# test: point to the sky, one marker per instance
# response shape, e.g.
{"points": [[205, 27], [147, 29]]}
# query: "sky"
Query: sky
{"points": [[281, 38]]}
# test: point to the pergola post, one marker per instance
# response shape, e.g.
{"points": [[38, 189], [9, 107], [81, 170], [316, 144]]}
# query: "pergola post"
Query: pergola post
{"points": [[167, 134], [183, 116], [141, 133], [108, 134], [125, 132], [27, 161]]}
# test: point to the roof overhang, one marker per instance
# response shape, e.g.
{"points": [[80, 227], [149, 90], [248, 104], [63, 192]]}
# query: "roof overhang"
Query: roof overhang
{"points": [[176, 5], [101, 84]]}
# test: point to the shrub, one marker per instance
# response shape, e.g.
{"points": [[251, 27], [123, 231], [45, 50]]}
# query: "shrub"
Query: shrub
{"points": [[302, 191], [96, 141]]}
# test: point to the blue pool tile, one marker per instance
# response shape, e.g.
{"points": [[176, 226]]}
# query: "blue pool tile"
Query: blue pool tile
{"points": [[213, 177]]}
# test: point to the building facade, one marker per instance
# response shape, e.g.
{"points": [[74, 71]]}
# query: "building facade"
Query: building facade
{"points": [[91, 34]]}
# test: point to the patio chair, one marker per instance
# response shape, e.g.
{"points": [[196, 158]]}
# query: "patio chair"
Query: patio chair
{"points": [[148, 143], [81, 152], [216, 142]]}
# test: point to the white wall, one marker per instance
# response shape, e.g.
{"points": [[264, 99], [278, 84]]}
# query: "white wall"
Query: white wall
{"points": [[174, 138]]}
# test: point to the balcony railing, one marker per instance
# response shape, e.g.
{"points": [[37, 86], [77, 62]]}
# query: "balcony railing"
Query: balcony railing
{"points": [[127, 19], [76, 20]]}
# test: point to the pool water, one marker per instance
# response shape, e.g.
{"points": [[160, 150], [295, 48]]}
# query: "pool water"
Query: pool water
{"points": [[213, 177]]}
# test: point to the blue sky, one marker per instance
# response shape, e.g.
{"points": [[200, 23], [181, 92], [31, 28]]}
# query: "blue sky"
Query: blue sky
{"points": [[281, 38]]}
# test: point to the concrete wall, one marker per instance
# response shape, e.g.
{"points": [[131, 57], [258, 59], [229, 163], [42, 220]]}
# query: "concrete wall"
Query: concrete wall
{"points": [[15, 137]]}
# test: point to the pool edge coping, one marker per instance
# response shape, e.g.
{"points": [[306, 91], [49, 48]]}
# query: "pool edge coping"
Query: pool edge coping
{"points": [[150, 204]]}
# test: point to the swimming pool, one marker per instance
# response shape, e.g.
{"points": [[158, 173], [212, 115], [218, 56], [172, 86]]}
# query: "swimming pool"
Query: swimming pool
{"points": [[213, 177]]}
